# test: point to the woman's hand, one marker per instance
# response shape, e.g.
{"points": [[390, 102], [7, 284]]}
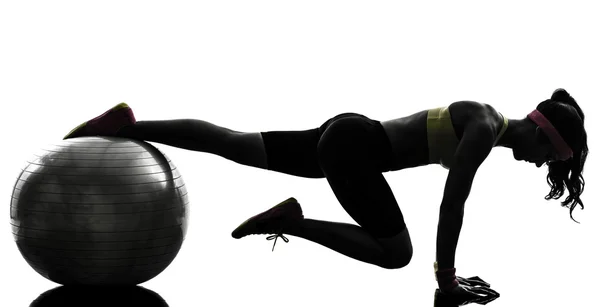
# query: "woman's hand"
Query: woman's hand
{"points": [[469, 290]]}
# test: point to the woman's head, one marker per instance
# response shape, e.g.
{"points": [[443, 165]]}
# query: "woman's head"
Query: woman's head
{"points": [[563, 112]]}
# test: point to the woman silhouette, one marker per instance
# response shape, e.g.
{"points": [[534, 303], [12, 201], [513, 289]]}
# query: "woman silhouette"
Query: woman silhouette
{"points": [[352, 151]]}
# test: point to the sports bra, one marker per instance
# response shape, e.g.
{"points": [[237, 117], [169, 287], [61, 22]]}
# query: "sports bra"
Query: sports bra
{"points": [[442, 139]]}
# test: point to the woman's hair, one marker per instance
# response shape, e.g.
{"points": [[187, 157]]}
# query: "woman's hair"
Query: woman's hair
{"points": [[566, 116]]}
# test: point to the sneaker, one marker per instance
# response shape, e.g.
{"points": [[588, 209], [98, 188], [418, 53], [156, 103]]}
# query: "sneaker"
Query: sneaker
{"points": [[271, 221], [107, 124]]}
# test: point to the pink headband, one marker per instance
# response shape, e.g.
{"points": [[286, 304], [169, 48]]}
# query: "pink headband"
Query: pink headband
{"points": [[563, 149]]}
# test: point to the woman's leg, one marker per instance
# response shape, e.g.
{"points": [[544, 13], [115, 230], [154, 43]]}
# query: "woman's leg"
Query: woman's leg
{"points": [[198, 135], [380, 243], [290, 152], [353, 152]]}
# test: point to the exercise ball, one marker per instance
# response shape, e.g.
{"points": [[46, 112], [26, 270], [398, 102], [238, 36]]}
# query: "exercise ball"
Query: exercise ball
{"points": [[99, 211]]}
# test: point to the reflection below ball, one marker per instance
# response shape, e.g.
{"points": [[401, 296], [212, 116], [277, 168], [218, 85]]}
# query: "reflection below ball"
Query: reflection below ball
{"points": [[77, 296]]}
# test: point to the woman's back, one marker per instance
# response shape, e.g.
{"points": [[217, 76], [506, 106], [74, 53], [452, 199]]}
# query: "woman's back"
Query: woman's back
{"points": [[431, 136]]}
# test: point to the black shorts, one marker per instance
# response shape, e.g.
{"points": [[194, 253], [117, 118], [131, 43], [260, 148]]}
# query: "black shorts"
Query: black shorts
{"points": [[352, 151]]}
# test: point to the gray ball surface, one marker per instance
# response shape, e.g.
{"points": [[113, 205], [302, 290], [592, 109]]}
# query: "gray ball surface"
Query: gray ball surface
{"points": [[99, 211]]}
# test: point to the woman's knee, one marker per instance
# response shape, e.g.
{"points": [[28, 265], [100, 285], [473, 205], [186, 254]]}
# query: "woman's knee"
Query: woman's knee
{"points": [[397, 261], [398, 250]]}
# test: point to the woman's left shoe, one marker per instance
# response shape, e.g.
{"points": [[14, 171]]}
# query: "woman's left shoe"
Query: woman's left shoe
{"points": [[272, 221]]}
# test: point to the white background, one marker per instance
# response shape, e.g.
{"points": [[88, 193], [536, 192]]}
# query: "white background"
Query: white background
{"points": [[291, 65]]}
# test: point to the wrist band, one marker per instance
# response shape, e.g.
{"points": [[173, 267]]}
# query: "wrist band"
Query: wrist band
{"points": [[446, 278]]}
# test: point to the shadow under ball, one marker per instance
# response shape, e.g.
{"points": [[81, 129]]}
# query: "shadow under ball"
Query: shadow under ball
{"points": [[90, 296], [99, 211]]}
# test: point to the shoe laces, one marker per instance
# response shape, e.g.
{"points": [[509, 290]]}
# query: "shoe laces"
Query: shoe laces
{"points": [[279, 234]]}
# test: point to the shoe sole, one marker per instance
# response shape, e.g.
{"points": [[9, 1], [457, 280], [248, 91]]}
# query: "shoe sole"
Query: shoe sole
{"points": [[120, 106]]}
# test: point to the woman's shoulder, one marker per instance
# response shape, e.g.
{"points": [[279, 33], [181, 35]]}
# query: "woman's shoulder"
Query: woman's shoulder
{"points": [[471, 106], [467, 110]]}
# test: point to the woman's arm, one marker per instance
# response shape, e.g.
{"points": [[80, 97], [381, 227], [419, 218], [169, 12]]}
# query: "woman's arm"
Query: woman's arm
{"points": [[473, 149], [451, 215]]}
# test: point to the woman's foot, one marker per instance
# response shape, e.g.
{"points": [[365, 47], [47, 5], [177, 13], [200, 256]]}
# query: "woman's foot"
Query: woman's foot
{"points": [[107, 124], [272, 221]]}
